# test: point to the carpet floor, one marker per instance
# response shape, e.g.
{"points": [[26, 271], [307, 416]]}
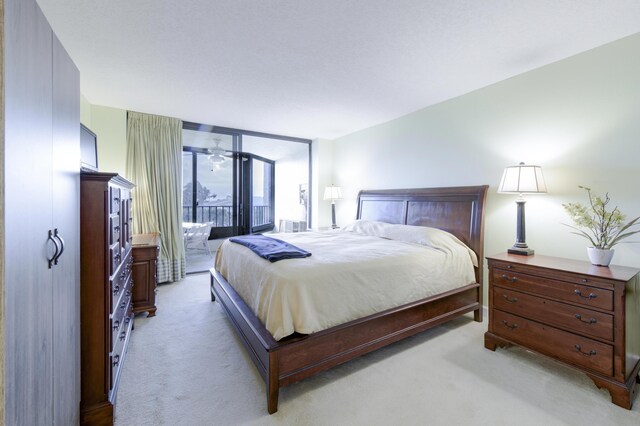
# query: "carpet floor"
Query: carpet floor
{"points": [[186, 366]]}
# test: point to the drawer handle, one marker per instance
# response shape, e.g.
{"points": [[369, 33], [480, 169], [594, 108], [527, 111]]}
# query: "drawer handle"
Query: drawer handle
{"points": [[123, 305], [590, 353], [116, 289], [116, 325], [127, 320], [514, 300], [123, 335], [116, 258], [116, 360], [590, 321], [590, 296], [511, 326], [512, 279]]}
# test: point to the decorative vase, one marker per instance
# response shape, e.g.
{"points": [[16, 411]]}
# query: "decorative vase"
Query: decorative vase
{"points": [[599, 257]]}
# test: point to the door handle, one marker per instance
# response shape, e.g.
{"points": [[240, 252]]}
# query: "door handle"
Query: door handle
{"points": [[56, 234], [55, 254]]}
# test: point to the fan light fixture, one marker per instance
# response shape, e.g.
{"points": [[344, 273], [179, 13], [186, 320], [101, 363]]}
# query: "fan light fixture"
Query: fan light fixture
{"points": [[216, 154]]}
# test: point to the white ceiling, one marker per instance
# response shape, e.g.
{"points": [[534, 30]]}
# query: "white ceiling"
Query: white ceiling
{"points": [[317, 68]]}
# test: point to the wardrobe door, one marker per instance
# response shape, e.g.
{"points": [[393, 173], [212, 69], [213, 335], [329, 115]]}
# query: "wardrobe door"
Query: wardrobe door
{"points": [[66, 222], [28, 217]]}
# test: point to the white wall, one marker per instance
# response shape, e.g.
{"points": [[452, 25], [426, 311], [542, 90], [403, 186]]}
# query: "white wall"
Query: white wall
{"points": [[578, 118], [322, 176]]}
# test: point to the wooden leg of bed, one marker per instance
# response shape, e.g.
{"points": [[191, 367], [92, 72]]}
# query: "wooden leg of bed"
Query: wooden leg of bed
{"points": [[477, 315], [273, 385]]}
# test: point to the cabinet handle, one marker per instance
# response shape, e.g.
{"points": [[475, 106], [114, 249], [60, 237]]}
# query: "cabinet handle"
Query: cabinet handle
{"points": [[56, 235], [116, 289], [55, 254], [584, 280], [116, 325], [123, 335], [511, 326], [590, 321], [514, 300], [506, 277], [590, 353], [116, 360], [590, 296], [123, 305]]}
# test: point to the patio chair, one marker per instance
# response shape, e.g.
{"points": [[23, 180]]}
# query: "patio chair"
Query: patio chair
{"points": [[197, 238]]}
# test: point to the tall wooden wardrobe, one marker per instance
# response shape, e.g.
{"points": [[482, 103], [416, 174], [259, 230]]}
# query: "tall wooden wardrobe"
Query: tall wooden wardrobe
{"points": [[39, 222]]}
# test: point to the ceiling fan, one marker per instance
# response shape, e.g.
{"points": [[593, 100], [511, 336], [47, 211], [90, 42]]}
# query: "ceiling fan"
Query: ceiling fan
{"points": [[217, 155]]}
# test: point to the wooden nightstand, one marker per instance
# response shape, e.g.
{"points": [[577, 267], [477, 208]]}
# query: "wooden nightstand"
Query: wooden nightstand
{"points": [[145, 260], [586, 316]]}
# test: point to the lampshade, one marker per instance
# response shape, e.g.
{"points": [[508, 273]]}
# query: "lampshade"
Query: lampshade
{"points": [[333, 193], [522, 179]]}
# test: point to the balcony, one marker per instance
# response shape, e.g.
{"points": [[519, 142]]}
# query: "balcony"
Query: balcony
{"points": [[222, 216]]}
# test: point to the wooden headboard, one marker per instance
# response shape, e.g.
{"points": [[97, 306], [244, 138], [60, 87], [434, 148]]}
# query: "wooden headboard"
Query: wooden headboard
{"points": [[458, 210]]}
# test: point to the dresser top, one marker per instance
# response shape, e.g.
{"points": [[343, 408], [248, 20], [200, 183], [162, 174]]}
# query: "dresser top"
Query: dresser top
{"points": [[151, 239], [613, 272]]}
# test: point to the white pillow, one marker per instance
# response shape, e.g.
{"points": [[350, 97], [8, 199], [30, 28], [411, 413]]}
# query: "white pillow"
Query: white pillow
{"points": [[430, 237], [367, 227]]}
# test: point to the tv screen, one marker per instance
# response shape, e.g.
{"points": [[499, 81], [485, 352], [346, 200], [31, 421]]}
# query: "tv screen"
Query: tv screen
{"points": [[88, 150]]}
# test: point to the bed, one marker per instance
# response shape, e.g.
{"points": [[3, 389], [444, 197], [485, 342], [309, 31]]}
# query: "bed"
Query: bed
{"points": [[294, 356]]}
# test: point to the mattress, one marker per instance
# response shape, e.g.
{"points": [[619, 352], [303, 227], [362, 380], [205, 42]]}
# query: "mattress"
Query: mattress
{"points": [[354, 272]]}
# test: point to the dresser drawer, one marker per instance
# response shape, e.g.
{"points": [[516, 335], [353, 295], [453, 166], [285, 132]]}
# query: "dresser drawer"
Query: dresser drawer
{"points": [[120, 321], [574, 318], [568, 347], [114, 200], [120, 281], [115, 257], [116, 357], [114, 229], [565, 291]]}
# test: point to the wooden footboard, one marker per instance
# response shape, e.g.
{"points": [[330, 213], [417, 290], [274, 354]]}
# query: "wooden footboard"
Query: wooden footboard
{"points": [[282, 363]]}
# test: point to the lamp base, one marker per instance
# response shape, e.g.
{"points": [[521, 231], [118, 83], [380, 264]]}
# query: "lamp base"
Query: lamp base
{"points": [[520, 251]]}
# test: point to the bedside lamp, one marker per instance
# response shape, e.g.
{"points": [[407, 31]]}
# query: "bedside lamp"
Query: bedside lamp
{"points": [[333, 193], [522, 179]]}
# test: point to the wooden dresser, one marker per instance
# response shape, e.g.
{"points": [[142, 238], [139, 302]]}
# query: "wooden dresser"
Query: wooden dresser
{"points": [[585, 316], [106, 308], [145, 261]]}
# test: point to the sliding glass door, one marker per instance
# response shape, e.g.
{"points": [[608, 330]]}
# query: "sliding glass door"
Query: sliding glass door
{"points": [[229, 190]]}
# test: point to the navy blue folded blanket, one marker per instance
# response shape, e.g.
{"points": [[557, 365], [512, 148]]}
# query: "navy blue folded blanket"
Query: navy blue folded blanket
{"points": [[269, 248]]}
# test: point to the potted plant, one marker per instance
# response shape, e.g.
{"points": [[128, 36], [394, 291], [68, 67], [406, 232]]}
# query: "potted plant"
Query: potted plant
{"points": [[603, 228]]}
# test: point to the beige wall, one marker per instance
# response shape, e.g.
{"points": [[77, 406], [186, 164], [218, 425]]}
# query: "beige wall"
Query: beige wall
{"points": [[110, 125], [578, 118], [1, 212]]}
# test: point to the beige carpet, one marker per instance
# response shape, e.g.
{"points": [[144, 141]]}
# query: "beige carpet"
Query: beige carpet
{"points": [[187, 367]]}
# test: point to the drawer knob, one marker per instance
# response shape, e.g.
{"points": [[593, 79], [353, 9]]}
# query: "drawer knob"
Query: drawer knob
{"points": [[514, 300], [506, 277], [590, 296], [590, 353], [511, 326], [116, 360], [589, 321]]}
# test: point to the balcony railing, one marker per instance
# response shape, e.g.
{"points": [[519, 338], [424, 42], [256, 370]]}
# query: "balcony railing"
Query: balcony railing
{"points": [[221, 216]]}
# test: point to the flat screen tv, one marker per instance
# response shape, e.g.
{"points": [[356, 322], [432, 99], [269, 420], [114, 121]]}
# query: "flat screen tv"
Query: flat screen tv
{"points": [[88, 150]]}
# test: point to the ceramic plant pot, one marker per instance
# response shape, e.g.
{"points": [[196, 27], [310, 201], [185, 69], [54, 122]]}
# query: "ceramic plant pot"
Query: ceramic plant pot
{"points": [[599, 257]]}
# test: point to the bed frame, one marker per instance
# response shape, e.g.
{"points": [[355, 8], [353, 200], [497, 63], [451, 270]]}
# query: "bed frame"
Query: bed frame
{"points": [[458, 210]]}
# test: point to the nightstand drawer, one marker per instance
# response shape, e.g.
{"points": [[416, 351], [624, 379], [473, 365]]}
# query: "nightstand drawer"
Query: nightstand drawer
{"points": [[568, 347], [578, 319], [574, 293]]}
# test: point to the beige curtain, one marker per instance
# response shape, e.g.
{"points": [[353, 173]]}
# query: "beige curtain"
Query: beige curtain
{"points": [[154, 165]]}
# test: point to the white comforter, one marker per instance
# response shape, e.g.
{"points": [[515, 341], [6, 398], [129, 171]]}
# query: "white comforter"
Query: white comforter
{"points": [[348, 276]]}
